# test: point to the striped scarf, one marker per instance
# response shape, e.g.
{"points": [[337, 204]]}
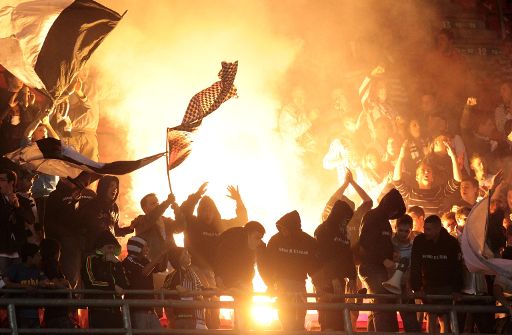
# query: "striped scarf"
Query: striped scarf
{"points": [[189, 280]]}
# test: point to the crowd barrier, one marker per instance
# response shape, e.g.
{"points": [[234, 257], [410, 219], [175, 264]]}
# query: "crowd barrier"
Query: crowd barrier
{"points": [[75, 301]]}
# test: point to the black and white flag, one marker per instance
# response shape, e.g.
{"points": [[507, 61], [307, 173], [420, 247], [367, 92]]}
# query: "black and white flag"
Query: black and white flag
{"points": [[49, 156], [45, 43]]}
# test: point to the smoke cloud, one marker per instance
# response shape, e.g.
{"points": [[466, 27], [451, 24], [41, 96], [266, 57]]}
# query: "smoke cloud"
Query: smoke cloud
{"points": [[163, 52]]}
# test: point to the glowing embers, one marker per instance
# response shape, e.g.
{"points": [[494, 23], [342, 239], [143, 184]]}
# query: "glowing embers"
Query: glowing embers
{"points": [[264, 312]]}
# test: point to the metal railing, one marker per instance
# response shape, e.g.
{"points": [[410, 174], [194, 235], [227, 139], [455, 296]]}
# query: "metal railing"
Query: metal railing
{"points": [[126, 304]]}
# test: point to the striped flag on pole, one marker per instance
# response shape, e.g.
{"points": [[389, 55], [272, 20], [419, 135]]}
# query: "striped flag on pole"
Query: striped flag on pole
{"points": [[49, 156], [45, 43], [180, 138]]}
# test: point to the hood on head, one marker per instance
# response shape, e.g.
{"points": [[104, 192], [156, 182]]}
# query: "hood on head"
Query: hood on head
{"points": [[392, 204], [341, 213], [206, 209], [349, 202], [103, 184], [291, 221]]}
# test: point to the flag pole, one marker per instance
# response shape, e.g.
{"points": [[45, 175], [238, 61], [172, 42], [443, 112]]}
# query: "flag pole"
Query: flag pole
{"points": [[167, 156]]}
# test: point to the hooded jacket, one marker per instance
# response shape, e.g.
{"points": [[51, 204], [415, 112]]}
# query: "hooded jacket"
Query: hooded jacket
{"points": [[234, 261], [436, 264], [293, 256], [201, 237], [375, 238], [101, 214], [334, 249], [61, 217]]}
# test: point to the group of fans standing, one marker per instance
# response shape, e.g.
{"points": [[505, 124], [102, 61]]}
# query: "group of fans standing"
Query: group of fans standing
{"points": [[56, 234]]}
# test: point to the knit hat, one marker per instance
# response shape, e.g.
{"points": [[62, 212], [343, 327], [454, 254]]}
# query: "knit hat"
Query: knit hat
{"points": [[135, 245], [290, 220], [105, 238]]}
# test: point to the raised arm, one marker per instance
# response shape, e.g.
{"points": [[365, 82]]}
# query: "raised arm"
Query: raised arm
{"points": [[241, 211], [188, 206], [335, 197], [359, 190], [48, 125], [397, 172], [150, 219], [341, 190], [465, 119], [150, 267], [455, 167]]}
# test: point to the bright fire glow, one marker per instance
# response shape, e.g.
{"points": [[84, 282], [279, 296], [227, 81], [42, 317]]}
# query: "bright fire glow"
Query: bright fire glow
{"points": [[262, 311], [152, 64], [157, 59]]}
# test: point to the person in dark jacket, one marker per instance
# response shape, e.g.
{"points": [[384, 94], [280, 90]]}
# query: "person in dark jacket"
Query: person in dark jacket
{"points": [[27, 275], [336, 261], [236, 255], [234, 264], [184, 279], [291, 256], [12, 230], [202, 235], [139, 268], [156, 229], [354, 225], [62, 225], [203, 230], [436, 263], [376, 251], [102, 213], [55, 317], [28, 209], [102, 270]]}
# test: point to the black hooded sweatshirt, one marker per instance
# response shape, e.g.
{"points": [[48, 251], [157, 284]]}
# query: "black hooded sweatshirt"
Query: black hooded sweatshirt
{"points": [[201, 238], [61, 219], [334, 250], [375, 238], [290, 257], [234, 261], [101, 214], [436, 264]]}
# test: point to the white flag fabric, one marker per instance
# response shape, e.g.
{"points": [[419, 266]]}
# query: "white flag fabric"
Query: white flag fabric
{"points": [[49, 156], [477, 255], [45, 43]]}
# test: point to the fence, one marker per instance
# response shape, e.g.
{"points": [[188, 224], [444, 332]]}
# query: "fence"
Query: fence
{"points": [[126, 304]]}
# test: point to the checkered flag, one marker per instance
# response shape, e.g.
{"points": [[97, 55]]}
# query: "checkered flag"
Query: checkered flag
{"points": [[179, 141], [209, 99]]}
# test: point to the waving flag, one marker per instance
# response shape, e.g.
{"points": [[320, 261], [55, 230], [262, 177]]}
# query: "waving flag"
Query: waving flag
{"points": [[180, 144], [209, 99], [477, 254], [180, 138], [45, 43], [49, 156]]}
